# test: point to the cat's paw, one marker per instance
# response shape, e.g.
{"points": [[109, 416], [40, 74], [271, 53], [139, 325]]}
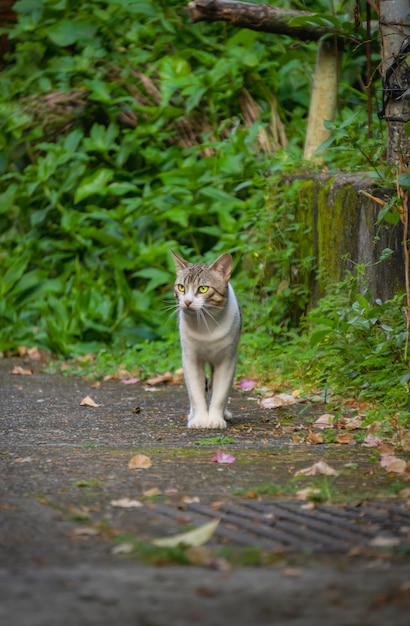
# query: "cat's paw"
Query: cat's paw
{"points": [[198, 421], [216, 420], [219, 424], [206, 421]]}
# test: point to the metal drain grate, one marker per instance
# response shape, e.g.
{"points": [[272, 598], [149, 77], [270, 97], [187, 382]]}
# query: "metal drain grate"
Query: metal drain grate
{"points": [[287, 526]]}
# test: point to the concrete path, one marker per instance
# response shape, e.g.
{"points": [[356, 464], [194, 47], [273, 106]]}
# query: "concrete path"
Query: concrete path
{"points": [[65, 545]]}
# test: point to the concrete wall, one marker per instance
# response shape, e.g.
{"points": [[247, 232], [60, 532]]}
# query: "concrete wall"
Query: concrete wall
{"points": [[343, 231]]}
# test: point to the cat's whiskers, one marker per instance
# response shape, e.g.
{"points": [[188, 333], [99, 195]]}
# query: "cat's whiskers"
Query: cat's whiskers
{"points": [[172, 308], [201, 315], [208, 312]]}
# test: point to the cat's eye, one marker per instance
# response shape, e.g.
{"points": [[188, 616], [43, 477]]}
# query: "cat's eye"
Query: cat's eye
{"points": [[203, 289], [181, 288]]}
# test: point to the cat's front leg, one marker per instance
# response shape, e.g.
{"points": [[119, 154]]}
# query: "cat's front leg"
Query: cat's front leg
{"points": [[194, 373]]}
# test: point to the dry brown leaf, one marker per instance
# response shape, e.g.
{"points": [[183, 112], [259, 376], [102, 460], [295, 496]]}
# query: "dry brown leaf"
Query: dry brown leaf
{"points": [[162, 378], [351, 423], [21, 371], [84, 531], [33, 354], [139, 461], [346, 438], [314, 438], [381, 541], [278, 400], [88, 401], [402, 439], [325, 421], [372, 442], [126, 503], [393, 464], [292, 572], [152, 493], [317, 468], [306, 494], [123, 548]]}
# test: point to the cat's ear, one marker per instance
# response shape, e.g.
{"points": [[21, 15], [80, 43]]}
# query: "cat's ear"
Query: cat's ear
{"points": [[180, 263], [223, 265]]}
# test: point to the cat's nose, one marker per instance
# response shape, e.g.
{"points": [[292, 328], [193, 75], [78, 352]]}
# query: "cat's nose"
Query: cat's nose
{"points": [[187, 303]]}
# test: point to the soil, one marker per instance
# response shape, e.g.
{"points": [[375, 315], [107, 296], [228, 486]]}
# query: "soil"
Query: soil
{"points": [[61, 537]]}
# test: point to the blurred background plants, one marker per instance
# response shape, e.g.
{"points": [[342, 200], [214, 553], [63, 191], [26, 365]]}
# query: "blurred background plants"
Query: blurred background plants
{"points": [[126, 131]]}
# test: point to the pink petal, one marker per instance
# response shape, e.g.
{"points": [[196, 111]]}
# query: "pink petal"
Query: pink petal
{"points": [[247, 385], [130, 381], [221, 457]]}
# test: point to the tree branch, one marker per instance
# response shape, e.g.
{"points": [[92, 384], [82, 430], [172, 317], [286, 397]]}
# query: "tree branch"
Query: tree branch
{"points": [[260, 17]]}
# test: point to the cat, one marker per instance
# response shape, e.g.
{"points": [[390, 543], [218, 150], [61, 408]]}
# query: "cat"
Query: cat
{"points": [[209, 326]]}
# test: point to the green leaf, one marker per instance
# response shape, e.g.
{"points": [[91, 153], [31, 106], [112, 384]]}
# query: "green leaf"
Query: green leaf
{"points": [[68, 32], [404, 180], [14, 273], [95, 184]]}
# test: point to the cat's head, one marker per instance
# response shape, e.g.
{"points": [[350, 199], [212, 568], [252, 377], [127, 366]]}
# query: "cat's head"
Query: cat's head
{"points": [[199, 285]]}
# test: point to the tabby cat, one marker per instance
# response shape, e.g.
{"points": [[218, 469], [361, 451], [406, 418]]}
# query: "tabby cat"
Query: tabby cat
{"points": [[209, 326]]}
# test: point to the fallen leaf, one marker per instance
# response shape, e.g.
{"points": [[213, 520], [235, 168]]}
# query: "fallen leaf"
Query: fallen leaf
{"points": [[314, 438], [278, 400], [292, 572], [84, 531], [23, 459], [190, 500], [126, 503], [162, 378], [139, 461], [346, 438], [130, 381], [21, 371], [306, 494], [123, 548], [393, 464], [317, 468], [325, 421], [197, 537], [86, 358], [221, 457], [152, 493], [351, 423], [382, 541], [33, 354], [372, 442], [402, 439], [247, 385], [88, 401]]}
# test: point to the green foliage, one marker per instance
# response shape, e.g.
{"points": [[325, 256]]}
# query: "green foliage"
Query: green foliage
{"points": [[121, 139], [353, 346], [125, 131]]}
